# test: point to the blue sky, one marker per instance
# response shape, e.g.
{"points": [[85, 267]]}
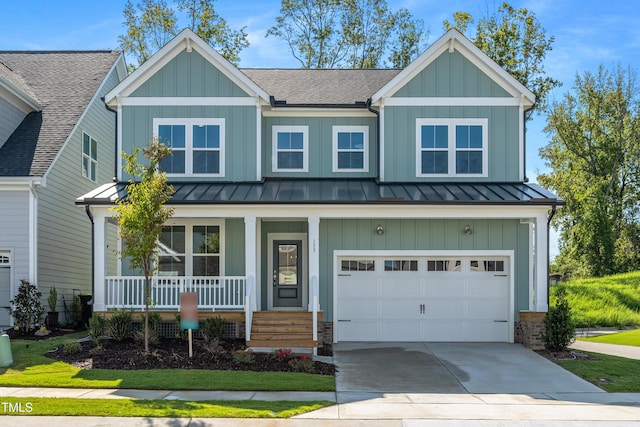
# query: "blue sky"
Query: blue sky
{"points": [[587, 33]]}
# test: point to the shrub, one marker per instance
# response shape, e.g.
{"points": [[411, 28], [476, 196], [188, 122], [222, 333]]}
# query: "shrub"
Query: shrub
{"points": [[560, 328], [72, 348], [154, 325], [214, 348], [97, 325], [26, 307], [213, 328], [281, 354], [301, 364], [53, 299], [120, 325], [244, 356], [181, 333], [76, 312]]}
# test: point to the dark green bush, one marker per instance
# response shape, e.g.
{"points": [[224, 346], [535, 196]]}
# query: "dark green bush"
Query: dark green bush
{"points": [[26, 308], [97, 325], [120, 325], [213, 328], [560, 327]]}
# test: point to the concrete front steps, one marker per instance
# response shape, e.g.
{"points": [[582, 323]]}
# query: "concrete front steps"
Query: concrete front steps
{"points": [[282, 329]]}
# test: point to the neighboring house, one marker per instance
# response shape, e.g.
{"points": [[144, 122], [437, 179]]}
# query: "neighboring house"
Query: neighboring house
{"points": [[56, 141], [391, 204]]}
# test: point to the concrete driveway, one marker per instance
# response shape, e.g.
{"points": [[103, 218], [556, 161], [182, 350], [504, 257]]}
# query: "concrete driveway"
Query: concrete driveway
{"points": [[451, 368]]}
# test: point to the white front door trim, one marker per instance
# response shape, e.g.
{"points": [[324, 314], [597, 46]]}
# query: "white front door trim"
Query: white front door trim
{"points": [[427, 253]]}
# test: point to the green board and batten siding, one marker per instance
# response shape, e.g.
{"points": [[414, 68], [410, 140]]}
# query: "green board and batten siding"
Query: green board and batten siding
{"points": [[189, 74], [451, 75], [320, 145], [239, 138], [423, 234]]}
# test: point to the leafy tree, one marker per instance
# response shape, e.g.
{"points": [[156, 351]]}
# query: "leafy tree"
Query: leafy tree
{"points": [[347, 33], [593, 156], [517, 42], [142, 214], [151, 24]]}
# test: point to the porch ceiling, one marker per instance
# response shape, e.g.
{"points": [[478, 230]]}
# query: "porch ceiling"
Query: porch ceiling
{"points": [[340, 191]]}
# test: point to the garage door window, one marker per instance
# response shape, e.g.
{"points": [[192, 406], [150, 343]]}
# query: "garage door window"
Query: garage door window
{"points": [[487, 265], [358, 265], [400, 265], [443, 265]]}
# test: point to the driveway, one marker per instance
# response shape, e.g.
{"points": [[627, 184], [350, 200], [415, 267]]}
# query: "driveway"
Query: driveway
{"points": [[451, 368]]}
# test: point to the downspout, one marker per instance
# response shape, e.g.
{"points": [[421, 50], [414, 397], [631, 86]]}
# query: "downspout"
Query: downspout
{"points": [[377, 113], [87, 209], [553, 212]]}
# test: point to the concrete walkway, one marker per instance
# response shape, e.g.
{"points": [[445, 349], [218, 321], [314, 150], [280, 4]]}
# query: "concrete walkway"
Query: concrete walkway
{"points": [[627, 351]]}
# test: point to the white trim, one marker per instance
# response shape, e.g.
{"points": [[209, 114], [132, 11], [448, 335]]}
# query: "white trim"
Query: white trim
{"points": [[419, 101], [99, 260], [314, 253], [510, 254], [274, 147], [381, 160], [154, 101], [451, 147], [119, 149], [19, 183], [92, 163], [33, 235], [305, 269], [318, 112], [189, 123], [169, 52], [521, 140], [258, 142], [364, 130], [17, 97], [453, 39], [542, 275]]}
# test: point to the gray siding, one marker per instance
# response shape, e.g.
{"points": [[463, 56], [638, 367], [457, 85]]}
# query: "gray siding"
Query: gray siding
{"points": [[14, 232], [400, 141], [451, 74], [423, 234], [240, 134], [64, 230], [320, 145], [10, 118], [189, 74]]}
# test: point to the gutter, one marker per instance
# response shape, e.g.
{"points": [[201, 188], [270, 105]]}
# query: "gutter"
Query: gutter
{"points": [[283, 104], [377, 113]]}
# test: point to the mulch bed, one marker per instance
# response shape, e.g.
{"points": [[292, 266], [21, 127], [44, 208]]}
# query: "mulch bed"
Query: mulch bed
{"points": [[565, 355], [173, 354]]}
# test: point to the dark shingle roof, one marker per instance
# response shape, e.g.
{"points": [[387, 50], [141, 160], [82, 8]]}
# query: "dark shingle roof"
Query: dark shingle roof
{"points": [[63, 82], [320, 86], [340, 191]]}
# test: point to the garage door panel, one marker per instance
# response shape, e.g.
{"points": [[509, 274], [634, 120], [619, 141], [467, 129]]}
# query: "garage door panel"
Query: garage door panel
{"points": [[443, 299]]}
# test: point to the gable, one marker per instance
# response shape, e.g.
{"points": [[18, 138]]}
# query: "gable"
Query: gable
{"points": [[451, 75], [189, 74]]}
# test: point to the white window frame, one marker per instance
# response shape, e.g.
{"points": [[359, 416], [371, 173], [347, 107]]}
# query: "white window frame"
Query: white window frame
{"points": [[188, 124], [365, 149], [451, 147], [189, 254], [275, 130], [93, 164]]}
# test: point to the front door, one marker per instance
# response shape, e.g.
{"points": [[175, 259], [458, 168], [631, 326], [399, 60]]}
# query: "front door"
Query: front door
{"points": [[286, 274]]}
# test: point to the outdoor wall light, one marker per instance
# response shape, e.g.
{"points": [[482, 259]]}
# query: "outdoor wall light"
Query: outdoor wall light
{"points": [[379, 230], [467, 230]]}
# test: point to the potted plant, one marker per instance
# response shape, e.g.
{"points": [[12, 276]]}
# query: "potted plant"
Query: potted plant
{"points": [[52, 315]]}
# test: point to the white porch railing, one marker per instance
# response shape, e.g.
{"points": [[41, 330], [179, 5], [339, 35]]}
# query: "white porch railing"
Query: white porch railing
{"points": [[214, 292]]}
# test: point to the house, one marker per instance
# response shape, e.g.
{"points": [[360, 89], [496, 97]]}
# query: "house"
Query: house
{"points": [[56, 141], [337, 205]]}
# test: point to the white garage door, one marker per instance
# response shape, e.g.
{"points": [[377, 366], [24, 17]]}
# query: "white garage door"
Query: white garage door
{"points": [[423, 299]]}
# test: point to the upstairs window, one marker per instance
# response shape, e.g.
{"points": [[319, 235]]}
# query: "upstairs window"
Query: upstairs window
{"points": [[290, 148], [451, 147], [350, 149], [89, 157], [197, 145]]}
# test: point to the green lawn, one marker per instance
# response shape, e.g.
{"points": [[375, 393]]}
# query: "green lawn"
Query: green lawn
{"points": [[623, 338], [32, 369], [158, 408], [605, 301], [619, 374]]}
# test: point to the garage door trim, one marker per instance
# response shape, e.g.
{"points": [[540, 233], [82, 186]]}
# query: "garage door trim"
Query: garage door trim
{"points": [[337, 254]]}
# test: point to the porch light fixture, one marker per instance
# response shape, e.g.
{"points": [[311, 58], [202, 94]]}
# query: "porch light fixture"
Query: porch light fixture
{"points": [[379, 230], [467, 230]]}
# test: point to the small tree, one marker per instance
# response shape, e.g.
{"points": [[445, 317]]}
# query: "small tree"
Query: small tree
{"points": [[26, 308], [561, 328], [142, 214]]}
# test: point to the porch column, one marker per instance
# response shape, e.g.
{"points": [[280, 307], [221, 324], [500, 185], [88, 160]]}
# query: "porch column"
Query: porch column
{"points": [[314, 258], [542, 254], [250, 253], [99, 261]]}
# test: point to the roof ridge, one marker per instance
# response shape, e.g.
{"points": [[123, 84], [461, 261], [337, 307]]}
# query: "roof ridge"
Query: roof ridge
{"points": [[40, 52]]}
